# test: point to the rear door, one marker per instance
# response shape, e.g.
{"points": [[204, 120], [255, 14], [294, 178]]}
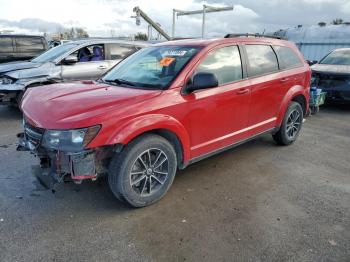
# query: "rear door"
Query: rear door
{"points": [[218, 116], [291, 68], [265, 79], [6, 49]]}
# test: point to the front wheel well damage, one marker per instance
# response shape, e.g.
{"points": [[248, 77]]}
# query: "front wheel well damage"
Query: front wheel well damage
{"points": [[168, 135]]}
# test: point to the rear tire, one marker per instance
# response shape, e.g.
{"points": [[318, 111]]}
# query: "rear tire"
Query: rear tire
{"points": [[291, 125], [143, 172]]}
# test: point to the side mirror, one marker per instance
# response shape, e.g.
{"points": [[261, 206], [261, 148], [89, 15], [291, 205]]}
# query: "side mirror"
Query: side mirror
{"points": [[311, 62], [202, 80], [70, 60]]}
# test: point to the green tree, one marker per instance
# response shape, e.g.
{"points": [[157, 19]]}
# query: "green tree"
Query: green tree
{"points": [[81, 33], [141, 36], [322, 24]]}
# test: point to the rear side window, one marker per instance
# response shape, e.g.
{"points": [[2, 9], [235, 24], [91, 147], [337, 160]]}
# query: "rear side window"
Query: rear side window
{"points": [[287, 57], [6, 44], [26, 44], [224, 63], [261, 59], [120, 52]]}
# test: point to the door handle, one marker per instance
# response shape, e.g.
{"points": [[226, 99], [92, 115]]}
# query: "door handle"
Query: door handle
{"points": [[102, 67], [242, 91], [284, 79]]}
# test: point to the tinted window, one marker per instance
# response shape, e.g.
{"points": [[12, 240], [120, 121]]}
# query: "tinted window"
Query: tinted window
{"points": [[120, 52], [224, 63], [287, 57], [261, 59], [337, 57], [6, 44], [90, 53], [29, 44]]}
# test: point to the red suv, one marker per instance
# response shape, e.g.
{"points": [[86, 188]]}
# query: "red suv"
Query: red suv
{"points": [[163, 108]]}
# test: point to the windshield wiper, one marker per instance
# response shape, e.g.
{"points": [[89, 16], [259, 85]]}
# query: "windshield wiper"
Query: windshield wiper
{"points": [[119, 82], [123, 82]]}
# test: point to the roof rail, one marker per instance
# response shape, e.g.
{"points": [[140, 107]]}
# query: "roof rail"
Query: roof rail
{"points": [[254, 35]]}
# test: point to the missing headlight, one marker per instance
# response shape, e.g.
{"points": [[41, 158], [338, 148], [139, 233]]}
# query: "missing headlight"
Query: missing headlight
{"points": [[6, 80]]}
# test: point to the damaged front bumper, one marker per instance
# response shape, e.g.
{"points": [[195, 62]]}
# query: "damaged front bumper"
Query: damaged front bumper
{"points": [[337, 86], [9, 93], [58, 166]]}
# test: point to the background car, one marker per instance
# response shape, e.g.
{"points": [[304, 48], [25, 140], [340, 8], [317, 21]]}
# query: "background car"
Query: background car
{"points": [[21, 47], [75, 60], [332, 75], [54, 43]]}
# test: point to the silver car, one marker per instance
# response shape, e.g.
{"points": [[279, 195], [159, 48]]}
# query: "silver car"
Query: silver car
{"points": [[75, 60]]}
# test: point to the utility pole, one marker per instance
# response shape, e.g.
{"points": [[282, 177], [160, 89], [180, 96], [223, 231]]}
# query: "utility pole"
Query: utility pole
{"points": [[206, 9]]}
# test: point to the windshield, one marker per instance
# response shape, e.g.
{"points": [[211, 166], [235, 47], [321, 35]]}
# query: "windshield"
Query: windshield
{"points": [[153, 67], [338, 57], [53, 53]]}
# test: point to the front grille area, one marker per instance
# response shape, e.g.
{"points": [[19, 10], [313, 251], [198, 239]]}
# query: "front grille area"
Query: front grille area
{"points": [[332, 81], [33, 134]]}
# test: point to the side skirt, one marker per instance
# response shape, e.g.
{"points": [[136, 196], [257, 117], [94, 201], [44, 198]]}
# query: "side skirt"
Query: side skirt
{"points": [[218, 151]]}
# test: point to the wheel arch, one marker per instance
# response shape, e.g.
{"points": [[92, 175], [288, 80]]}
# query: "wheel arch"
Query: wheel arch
{"points": [[302, 101], [297, 94], [162, 125]]}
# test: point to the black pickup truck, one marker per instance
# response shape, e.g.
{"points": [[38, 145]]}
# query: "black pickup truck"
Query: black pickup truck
{"points": [[21, 47]]}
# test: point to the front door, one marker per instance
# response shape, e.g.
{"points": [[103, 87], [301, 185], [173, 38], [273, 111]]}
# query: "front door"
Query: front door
{"points": [[218, 116], [91, 64]]}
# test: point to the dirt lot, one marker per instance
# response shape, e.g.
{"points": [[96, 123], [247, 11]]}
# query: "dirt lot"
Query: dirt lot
{"points": [[258, 202]]}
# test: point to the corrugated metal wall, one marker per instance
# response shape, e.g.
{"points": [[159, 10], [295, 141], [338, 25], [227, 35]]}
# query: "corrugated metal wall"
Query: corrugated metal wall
{"points": [[315, 42], [317, 50]]}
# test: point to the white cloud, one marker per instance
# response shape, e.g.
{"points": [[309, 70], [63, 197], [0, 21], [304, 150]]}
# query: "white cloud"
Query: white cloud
{"points": [[100, 17]]}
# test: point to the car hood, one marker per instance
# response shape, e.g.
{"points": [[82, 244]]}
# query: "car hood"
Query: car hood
{"points": [[12, 66], [37, 70], [331, 69], [79, 104]]}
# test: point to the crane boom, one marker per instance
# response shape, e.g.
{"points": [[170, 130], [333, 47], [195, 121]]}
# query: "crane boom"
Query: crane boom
{"points": [[139, 12]]}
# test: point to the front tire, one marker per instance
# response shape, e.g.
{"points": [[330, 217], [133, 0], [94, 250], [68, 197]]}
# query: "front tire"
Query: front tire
{"points": [[291, 125], [144, 171]]}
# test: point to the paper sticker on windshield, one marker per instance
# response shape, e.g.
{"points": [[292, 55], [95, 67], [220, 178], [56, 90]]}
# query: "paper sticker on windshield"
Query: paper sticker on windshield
{"points": [[166, 61], [174, 53]]}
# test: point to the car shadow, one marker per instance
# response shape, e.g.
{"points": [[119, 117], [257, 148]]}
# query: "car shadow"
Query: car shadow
{"points": [[336, 107], [92, 196]]}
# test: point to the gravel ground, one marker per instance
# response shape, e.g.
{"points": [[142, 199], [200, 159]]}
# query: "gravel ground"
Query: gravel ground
{"points": [[257, 202]]}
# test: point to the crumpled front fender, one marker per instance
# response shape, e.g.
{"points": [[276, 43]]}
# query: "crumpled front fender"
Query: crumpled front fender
{"points": [[22, 84]]}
